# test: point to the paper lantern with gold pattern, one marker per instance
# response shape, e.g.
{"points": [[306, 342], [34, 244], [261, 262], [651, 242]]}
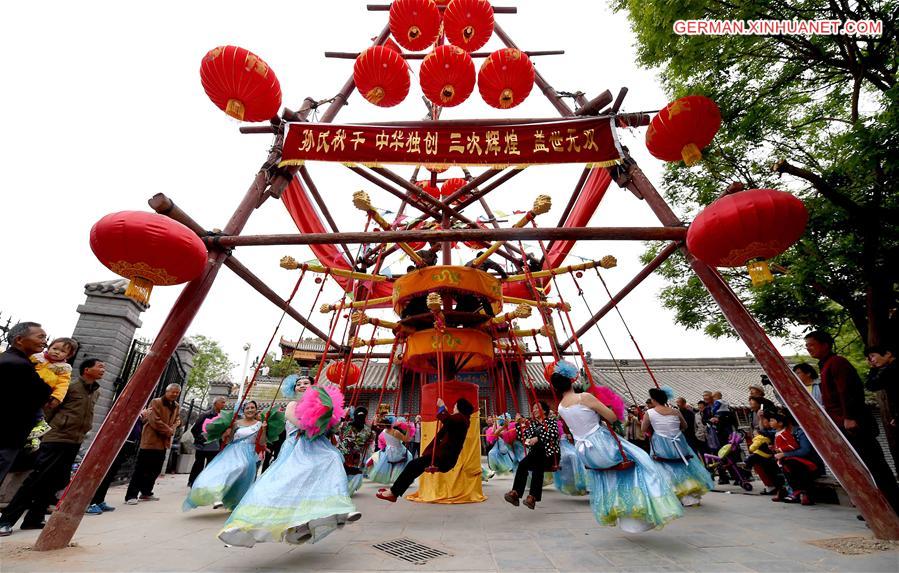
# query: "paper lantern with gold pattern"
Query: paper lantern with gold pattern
{"points": [[240, 84], [415, 24], [447, 76], [381, 76], [747, 227], [148, 249], [506, 78], [334, 373], [468, 23], [682, 129]]}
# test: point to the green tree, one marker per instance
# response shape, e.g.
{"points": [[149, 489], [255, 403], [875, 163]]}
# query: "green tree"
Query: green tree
{"points": [[815, 115], [280, 368], [211, 364]]}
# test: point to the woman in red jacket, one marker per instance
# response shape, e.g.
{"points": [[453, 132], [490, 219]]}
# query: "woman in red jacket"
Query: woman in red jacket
{"points": [[796, 457]]}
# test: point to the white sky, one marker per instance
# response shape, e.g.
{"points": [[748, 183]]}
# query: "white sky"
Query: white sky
{"points": [[104, 108]]}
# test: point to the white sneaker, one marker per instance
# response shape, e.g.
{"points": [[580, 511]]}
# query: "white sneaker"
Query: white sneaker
{"points": [[132, 501], [354, 516], [218, 505]]}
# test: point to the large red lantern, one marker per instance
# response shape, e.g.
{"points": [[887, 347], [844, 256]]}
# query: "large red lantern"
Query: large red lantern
{"points": [[447, 76], [506, 78], [334, 373], [415, 24], [452, 185], [683, 129], [381, 76], [148, 249], [468, 23], [240, 84], [429, 189], [747, 227]]}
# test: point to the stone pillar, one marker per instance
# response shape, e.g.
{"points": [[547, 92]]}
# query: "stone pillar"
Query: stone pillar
{"points": [[105, 330]]}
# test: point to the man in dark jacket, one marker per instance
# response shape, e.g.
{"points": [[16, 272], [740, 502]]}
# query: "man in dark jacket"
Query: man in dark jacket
{"points": [[71, 422], [23, 390], [843, 398], [443, 450], [205, 451], [883, 378]]}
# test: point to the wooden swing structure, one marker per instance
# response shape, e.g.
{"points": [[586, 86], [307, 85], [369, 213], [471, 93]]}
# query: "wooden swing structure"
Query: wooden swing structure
{"points": [[448, 224]]}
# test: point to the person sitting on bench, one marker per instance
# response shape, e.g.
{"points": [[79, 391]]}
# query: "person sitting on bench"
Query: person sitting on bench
{"points": [[443, 451]]}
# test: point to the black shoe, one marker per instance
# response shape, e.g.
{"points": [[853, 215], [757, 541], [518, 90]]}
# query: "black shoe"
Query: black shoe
{"points": [[36, 525]]}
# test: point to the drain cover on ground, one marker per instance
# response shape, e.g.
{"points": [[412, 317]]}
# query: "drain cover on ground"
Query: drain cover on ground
{"points": [[410, 551]]}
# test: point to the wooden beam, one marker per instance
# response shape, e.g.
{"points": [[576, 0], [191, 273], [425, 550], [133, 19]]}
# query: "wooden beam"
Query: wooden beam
{"points": [[523, 234], [408, 56]]}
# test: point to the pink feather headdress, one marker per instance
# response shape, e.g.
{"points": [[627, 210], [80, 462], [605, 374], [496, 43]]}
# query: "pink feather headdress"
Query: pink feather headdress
{"points": [[319, 410], [608, 397]]}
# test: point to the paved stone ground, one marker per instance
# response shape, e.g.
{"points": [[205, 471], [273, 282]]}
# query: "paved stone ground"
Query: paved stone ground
{"points": [[730, 532]]}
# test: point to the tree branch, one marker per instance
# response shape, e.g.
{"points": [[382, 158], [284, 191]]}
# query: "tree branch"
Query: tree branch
{"points": [[820, 185]]}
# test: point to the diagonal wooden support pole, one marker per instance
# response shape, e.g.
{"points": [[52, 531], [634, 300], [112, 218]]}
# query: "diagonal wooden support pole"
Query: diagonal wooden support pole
{"points": [[827, 439]]}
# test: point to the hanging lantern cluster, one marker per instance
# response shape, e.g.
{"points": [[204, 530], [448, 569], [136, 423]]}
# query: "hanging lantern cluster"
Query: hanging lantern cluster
{"points": [[148, 249], [747, 227], [506, 78], [682, 129], [240, 84], [447, 76], [415, 24], [468, 23], [381, 76], [335, 374]]}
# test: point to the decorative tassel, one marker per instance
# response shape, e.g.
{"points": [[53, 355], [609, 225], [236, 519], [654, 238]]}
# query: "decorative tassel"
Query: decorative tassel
{"points": [[139, 290], [235, 109], [759, 272], [691, 154]]}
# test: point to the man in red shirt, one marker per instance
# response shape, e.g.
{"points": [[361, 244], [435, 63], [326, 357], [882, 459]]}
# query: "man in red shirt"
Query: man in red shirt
{"points": [[843, 398]]}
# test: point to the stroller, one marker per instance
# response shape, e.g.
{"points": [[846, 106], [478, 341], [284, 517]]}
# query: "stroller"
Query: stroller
{"points": [[727, 459]]}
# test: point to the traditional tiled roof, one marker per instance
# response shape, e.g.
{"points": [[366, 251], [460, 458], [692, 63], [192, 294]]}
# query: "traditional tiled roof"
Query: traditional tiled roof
{"points": [[313, 344]]}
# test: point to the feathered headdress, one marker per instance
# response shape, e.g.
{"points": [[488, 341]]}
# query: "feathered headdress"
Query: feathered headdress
{"points": [[319, 410], [669, 391], [566, 369], [608, 397]]}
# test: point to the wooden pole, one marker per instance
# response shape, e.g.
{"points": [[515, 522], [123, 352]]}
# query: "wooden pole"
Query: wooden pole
{"points": [[64, 521], [524, 234], [613, 302], [594, 106], [827, 439]]}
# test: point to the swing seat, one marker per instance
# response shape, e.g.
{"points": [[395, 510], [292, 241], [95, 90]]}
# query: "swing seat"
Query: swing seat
{"points": [[671, 460], [621, 466]]}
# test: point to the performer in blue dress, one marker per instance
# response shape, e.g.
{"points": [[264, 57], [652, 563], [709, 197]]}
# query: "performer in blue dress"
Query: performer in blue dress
{"points": [[395, 455], [669, 447], [231, 473], [626, 487], [571, 477], [500, 458], [303, 497]]}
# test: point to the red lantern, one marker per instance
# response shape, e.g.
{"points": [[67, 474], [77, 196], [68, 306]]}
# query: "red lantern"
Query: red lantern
{"points": [[506, 78], [381, 76], [240, 84], [148, 249], [429, 189], [468, 23], [335, 374], [447, 76], [745, 227], [391, 45], [683, 129], [450, 186], [415, 24]]}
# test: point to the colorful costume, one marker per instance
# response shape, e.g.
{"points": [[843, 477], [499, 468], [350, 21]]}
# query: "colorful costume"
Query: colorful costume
{"points": [[391, 462], [571, 478], [230, 474], [636, 498], [499, 457], [303, 496], [353, 443], [675, 457]]}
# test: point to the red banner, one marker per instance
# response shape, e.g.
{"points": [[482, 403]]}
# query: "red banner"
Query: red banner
{"points": [[590, 141]]}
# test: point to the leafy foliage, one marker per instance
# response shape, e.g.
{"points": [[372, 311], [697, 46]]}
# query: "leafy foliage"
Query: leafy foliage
{"points": [[211, 364], [815, 115]]}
